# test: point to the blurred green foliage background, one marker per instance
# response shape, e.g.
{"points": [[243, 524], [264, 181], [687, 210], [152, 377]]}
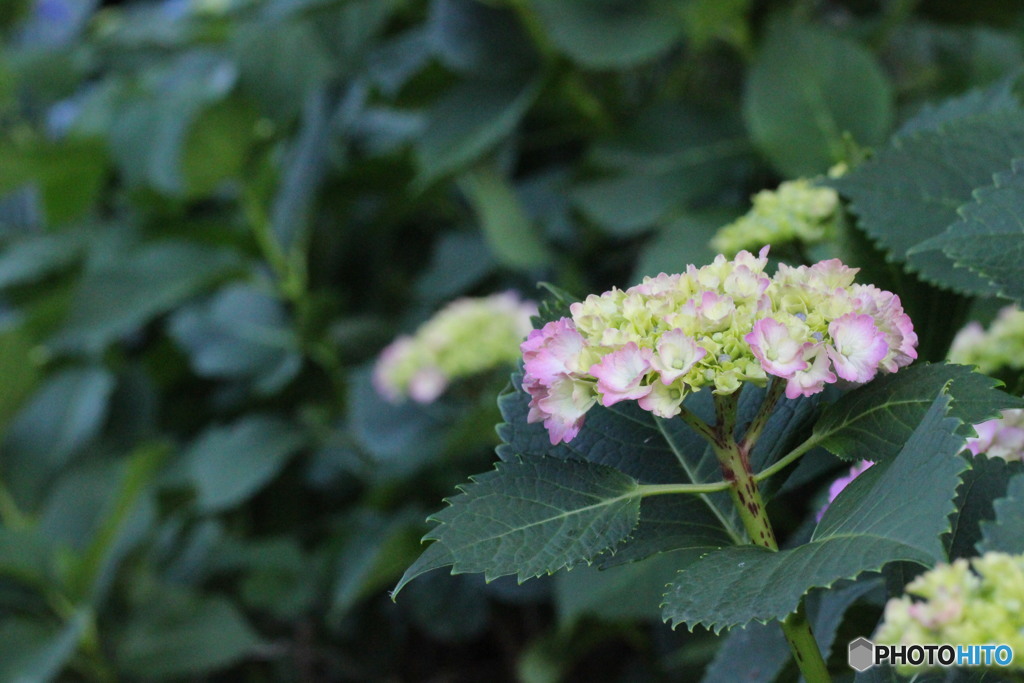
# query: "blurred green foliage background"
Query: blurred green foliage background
{"points": [[215, 213]]}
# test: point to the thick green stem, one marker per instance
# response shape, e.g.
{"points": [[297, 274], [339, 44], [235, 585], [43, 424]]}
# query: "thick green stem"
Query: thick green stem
{"points": [[804, 647], [746, 496]]}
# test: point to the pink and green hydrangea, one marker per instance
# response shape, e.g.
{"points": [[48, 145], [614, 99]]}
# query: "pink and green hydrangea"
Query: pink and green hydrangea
{"points": [[466, 337], [1002, 437], [965, 602], [718, 326]]}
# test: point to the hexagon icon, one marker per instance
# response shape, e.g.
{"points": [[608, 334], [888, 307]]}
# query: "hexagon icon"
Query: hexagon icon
{"points": [[862, 654]]}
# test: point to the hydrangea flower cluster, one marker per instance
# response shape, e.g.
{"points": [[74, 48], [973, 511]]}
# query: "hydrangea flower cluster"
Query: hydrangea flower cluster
{"points": [[1002, 346], [796, 210], [466, 337], [960, 606], [720, 326], [1002, 437]]}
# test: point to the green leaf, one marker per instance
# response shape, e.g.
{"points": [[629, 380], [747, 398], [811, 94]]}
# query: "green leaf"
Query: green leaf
{"points": [[280, 63], [629, 204], [671, 523], [826, 608], [64, 414], [95, 569], [910, 191], [394, 441], [610, 34], [451, 609], [69, 174], [475, 38], [25, 556], [468, 120], [240, 333], [871, 523], [149, 125], [513, 239], [554, 305], [708, 20], [435, 556], [624, 592], [33, 257], [175, 635], [460, 261], [683, 241], [118, 295], [806, 88], [669, 157], [303, 170], [996, 98], [216, 145], [874, 421], [673, 135], [989, 238], [36, 653], [20, 373], [536, 516], [280, 578], [1006, 532], [756, 653], [375, 550], [983, 484], [229, 464]]}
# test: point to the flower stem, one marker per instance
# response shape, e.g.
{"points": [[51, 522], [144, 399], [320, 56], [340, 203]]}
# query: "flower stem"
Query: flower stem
{"points": [[760, 421], [804, 647], [746, 496]]}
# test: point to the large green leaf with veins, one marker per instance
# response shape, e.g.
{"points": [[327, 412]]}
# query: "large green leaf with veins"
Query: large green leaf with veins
{"points": [[871, 523], [989, 238], [875, 421], [536, 516], [910, 191]]}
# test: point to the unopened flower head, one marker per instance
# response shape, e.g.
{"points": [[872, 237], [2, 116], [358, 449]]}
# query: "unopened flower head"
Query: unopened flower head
{"points": [[717, 326], [796, 211], [1001, 346], [1000, 438], [466, 337], [958, 606]]}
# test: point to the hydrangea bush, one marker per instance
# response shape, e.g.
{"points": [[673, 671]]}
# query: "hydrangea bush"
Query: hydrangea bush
{"points": [[215, 214], [725, 328], [671, 418]]}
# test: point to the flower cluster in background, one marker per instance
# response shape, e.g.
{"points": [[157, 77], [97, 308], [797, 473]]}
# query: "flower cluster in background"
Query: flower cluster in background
{"points": [[466, 337], [1000, 438], [1001, 346], [796, 211], [960, 606], [719, 326]]}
